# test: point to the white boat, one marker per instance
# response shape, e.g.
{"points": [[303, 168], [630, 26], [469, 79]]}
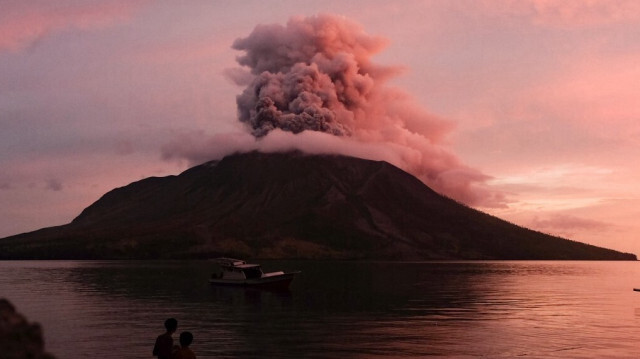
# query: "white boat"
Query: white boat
{"points": [[236, 272]]}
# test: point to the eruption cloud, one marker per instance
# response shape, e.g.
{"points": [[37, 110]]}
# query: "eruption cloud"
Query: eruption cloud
{"points": [[314, 74], [311, 86]]}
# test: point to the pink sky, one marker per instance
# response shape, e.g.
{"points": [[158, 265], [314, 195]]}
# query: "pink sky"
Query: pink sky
{"points": [[540, 96]]}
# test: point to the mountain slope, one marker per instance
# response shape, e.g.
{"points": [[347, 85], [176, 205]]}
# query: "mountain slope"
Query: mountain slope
{"points": [[289, 206]]}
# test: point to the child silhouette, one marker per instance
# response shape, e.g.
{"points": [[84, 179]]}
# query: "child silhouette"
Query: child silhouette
{"points": [[186, 338]]}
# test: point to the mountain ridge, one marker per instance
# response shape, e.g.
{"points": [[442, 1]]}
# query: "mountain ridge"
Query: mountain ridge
{"points": [[290, 205]]}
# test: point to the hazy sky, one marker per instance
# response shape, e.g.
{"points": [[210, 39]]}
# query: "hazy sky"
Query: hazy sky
{"points": [[539, 100]]}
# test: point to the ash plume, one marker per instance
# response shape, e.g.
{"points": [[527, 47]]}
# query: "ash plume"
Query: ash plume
{"points": [[311, 85], [314, 74]]}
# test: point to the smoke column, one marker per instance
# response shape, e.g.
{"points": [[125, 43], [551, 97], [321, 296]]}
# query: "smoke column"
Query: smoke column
{"points": [[311, 86], [314, 74]]}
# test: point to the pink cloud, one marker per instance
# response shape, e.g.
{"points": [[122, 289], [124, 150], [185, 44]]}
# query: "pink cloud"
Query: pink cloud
{"points": [[567, 225], [54, 184], [567, 13], [198, 147], [22, 23]]}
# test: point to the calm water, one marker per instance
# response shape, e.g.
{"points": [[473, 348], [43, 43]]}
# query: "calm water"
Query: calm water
{"points": [[115, 309]]}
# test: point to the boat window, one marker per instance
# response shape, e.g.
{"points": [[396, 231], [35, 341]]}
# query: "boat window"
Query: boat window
{"points": [[253, 273]]}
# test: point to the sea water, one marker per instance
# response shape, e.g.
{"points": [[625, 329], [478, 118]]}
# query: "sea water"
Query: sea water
{"points": [[336, 309]]}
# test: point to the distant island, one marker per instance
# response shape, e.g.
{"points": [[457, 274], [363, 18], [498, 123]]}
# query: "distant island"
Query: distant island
{"points": [[290, 205]]}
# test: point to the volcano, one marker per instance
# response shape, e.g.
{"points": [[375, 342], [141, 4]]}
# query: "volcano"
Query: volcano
{"points": [[290, 205]]}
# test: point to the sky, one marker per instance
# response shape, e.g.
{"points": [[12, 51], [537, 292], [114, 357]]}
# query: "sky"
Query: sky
{"points": [[525, 109]]}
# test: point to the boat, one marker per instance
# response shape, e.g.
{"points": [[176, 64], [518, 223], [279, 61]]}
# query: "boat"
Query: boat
{"points": [[236, 272]]}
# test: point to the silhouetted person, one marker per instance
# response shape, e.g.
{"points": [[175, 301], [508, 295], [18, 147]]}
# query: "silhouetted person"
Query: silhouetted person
{"points": [[164, 342], [184, 352]]}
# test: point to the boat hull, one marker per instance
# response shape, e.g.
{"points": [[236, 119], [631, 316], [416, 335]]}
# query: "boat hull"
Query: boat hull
{"points": [[280, 281]]}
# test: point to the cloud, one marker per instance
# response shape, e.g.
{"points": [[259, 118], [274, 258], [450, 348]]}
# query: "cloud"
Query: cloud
{"points": [[558, 176], [564, 224], [567, 13], [313, 74], [198, 147], [54, 184], [23, 23], [311, 85]]}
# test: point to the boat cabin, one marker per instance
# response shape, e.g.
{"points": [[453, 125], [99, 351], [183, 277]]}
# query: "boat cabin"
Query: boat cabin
{"points": [[235, 269]]}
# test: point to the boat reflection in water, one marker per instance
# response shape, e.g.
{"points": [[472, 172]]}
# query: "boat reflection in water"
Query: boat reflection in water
{"points": [[236, 272]]}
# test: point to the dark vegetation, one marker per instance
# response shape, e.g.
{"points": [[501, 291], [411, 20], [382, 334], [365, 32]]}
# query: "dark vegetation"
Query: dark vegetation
{"points": [[290, 205]]}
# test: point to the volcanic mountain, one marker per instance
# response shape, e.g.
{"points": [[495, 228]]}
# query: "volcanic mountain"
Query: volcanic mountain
{"points": [[290, 205]]}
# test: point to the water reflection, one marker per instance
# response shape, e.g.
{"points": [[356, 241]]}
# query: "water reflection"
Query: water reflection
{"points": [[337, 309]]}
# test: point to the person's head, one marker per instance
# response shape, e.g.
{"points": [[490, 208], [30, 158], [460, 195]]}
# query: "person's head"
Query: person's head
{"points": [[186, 338], [171, 324]]}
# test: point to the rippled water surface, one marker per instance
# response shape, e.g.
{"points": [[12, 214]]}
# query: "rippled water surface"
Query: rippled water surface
{"points": [[115, 309]]}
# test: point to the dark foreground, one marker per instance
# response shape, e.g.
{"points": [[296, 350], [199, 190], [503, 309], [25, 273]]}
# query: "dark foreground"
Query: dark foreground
{"points": [[18, 337]]}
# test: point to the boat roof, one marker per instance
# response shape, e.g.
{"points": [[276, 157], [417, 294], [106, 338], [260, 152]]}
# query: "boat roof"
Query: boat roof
{"points": [[247, 266], [231, 262]]}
